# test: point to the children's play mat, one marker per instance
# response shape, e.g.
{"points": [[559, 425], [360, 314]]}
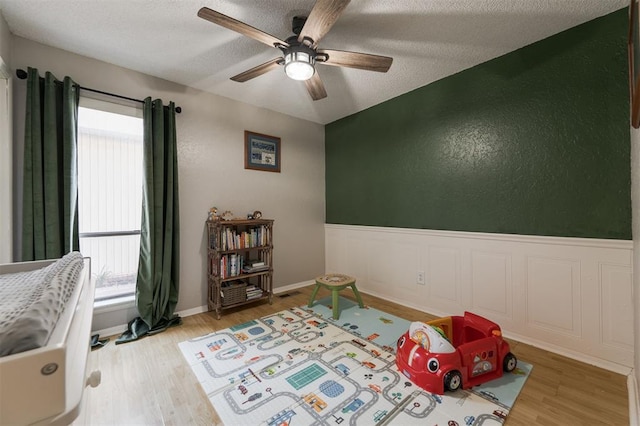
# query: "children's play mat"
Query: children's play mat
{"points": [[301, 367]]}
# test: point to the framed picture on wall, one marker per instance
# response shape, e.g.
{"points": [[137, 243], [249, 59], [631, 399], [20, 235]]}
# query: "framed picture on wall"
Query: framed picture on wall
{"points": [[261, 152], [634, 63]]}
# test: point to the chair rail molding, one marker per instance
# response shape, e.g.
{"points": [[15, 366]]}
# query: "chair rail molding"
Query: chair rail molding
{"points": [[571, 296]]}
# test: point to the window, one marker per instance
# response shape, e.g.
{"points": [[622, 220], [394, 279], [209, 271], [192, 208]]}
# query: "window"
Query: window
{"points": [[110, 194]]}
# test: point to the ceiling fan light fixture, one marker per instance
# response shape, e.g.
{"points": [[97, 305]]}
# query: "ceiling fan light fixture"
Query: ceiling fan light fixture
{"points": [[299, 64]]}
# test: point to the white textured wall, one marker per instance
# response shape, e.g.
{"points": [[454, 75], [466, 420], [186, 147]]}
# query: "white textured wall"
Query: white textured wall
{"points": [[5, 41], [635, 208], [211, 166]]}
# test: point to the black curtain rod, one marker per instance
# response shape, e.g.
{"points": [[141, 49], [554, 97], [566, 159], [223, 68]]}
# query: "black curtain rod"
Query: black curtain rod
{"points": [[22, 75]]}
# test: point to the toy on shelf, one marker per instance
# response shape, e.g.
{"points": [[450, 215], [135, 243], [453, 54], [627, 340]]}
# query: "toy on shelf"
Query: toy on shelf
{"points": [[257, 214], [213, 214], [453, 352]]}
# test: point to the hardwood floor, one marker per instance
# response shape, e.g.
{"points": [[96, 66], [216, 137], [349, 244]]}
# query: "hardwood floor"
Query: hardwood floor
{"points": [[148, 381]]}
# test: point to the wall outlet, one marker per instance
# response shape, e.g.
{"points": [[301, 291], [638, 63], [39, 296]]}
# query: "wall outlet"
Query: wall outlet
{"points": [[420, 277]]}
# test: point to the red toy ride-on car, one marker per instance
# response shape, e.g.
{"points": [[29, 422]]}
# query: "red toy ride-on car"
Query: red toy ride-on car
{"points": [[453, 352]]}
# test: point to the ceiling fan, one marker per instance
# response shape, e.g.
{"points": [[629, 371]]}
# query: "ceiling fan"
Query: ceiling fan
{"points": [[300, 52]]}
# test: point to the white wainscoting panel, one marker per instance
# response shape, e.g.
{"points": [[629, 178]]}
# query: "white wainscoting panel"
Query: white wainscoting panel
{"points": [[491, 284], [443, 275], [616, 306], [553, 295], [572, 296]]}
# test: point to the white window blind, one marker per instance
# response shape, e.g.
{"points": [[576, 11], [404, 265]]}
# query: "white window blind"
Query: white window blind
{"points": [[110, 194]]}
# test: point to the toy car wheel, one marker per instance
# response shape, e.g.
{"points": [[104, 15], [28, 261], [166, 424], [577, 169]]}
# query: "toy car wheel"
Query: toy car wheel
{"points": [[510, 362], [452, 381]]}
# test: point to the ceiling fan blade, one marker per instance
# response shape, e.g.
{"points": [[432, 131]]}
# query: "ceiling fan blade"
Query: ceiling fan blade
{"points": [[322, 17], [257, 71], [239, 27], [315, 87], [363, 61]]}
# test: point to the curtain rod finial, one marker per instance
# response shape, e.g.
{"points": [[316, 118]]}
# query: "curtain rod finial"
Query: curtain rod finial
{"points": [[21, 74]]}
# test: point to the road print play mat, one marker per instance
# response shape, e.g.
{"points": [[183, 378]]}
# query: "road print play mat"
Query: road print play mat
{"points": [[301, 367]]}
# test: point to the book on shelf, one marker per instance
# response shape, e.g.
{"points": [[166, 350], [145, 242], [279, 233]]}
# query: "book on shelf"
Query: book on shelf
{"points": [[252, 263], [256, 296], [251, 270], [253, 292], [233, 240], [233, 265]]}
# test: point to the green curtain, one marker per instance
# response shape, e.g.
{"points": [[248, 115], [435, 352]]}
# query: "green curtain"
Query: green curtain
{"points": [[50, 173], [159, 265]]}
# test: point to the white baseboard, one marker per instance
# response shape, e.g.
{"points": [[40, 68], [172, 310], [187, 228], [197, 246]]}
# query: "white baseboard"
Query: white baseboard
{"points": [[634, 400], [193, 311], [567, 295], [119, 329], [604, 364], [578, 356], [111, 331], [291, 287]]}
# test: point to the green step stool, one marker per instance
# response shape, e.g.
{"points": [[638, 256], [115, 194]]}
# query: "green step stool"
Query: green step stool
{"points": [[335, 283]]}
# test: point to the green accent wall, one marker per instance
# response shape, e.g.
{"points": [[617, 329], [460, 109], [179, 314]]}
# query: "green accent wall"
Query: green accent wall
{"points": [[534, 142]]}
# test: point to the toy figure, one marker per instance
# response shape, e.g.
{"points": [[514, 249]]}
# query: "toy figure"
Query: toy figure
{"points": [[213, 214]]}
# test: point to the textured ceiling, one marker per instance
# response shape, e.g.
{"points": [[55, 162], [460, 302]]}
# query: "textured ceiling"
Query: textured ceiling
{"points": [[428, 39]]}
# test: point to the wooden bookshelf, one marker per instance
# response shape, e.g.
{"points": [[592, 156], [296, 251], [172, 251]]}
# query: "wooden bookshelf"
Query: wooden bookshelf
{"points": [[233, 247]]}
